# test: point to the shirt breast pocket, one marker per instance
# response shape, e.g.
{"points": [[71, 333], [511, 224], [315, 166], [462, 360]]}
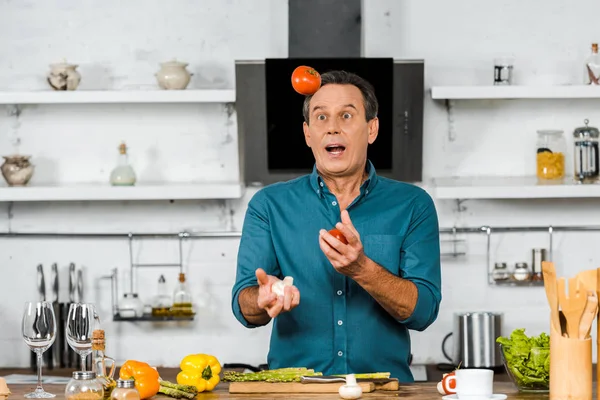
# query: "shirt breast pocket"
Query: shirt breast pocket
{"points": [[384, 250]]}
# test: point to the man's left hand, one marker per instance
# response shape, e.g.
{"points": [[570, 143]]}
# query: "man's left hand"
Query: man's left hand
{"points": [[347, 259]]}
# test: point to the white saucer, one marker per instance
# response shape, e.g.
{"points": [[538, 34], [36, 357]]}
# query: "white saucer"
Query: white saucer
{"points": [[494, 397]]}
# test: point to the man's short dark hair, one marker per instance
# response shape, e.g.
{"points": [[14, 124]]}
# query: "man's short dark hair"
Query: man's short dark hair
{"points": [[347, 78]]}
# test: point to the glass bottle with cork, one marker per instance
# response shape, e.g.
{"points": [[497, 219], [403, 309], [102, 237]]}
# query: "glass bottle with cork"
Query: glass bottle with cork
{"points": [[162, 303], [591, 73], [102, 362], [123, 174], [182, 300]]}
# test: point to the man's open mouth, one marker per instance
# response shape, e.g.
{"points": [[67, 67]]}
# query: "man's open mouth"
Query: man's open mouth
{"points": [[335, 149]]}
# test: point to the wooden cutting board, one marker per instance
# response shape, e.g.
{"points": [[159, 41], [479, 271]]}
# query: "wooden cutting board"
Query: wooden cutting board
{"points": [[293, 387]]}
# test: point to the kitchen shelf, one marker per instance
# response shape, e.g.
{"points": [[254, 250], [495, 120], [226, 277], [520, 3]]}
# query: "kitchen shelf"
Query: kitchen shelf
{"points": [[105, 192], [514, 92], [150, 317], [510, 188], [117, 96]]}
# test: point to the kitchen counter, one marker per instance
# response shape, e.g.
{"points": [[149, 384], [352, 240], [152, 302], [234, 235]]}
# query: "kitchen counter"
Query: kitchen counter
{"points": [[415, 391]]}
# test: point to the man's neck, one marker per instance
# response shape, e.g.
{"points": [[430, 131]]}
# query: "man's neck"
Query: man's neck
{"points": [[346, 188]]}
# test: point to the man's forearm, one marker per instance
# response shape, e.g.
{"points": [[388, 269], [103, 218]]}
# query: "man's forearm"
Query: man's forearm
{"points": [[396, 295], [248, 300]]}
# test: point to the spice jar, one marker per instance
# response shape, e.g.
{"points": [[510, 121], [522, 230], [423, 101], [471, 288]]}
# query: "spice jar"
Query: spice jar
{"points": [[84, 386], [585, 154], [500, 272], [550, 159], [125, 390], [521, 272]]}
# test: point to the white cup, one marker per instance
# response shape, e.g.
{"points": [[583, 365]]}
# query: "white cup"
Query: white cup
{"points": [[474, 384]]}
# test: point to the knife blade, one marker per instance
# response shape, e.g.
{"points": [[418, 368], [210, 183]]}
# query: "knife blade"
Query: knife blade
{"points": [[79, 286], [72, 283], [41, 283], [56, 349], [321, 379]]}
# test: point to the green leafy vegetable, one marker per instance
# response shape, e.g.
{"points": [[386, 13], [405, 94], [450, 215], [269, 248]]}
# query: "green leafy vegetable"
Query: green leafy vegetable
{"points": [[527, 359]]}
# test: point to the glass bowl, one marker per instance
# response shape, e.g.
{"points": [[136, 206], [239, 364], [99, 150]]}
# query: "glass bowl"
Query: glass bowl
{"points": [[522, 384]]}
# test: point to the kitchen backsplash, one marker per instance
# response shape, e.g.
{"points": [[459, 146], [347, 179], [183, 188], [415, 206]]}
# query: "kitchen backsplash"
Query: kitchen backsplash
{"points": [[189, 142]]}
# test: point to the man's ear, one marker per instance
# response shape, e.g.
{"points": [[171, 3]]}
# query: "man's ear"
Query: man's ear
{"points": [[306, 133], [373, 129]]}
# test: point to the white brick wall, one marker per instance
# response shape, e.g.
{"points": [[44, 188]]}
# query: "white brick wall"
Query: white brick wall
{"points": [[120, 47]]}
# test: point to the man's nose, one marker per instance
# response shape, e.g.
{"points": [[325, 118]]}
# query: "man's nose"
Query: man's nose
{"points": [[333, 128]]}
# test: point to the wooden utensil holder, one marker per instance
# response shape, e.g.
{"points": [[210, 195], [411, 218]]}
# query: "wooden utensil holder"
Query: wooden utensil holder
{"points": [[570, 367]]}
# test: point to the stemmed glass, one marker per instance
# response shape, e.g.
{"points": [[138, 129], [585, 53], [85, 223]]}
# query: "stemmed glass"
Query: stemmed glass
{"points": [[80, 326], [39, 332]]}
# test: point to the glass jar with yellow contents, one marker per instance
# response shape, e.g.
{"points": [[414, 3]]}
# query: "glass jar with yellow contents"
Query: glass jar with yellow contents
{"points": [[550, 156]]}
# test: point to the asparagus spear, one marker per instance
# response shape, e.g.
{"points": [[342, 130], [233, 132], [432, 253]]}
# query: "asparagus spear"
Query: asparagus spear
{"points": [[274, 375], [178, 394], [372, 375], [185, 388]]}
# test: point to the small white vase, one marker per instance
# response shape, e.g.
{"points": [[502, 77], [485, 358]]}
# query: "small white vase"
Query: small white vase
{"points": [[173, 75], [64, 76]]}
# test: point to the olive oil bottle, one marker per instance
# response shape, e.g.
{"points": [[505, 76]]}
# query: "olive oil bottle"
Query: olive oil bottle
{"points": [[182, 300]]}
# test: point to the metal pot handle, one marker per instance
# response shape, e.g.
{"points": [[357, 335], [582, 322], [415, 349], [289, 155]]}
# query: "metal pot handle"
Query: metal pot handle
{"points": [[444, 347]]}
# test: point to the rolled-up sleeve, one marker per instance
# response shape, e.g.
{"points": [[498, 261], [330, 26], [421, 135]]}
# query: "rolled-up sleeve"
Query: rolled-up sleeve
{"points": [[420, 263], [256, 250]]}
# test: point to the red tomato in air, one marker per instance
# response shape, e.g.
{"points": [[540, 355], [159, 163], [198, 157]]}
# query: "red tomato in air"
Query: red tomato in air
{"points": [[306, 80], [338, 235]]}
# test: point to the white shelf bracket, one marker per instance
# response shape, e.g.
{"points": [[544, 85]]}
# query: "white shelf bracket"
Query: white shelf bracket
{"points": [[450, 112]]}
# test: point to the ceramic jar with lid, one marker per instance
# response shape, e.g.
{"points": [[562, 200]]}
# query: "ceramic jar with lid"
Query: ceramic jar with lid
{"points": [[585, 154], [17, 170], [550, 156], [131, 306], [84, 386], [173, 75], [64, 76]]}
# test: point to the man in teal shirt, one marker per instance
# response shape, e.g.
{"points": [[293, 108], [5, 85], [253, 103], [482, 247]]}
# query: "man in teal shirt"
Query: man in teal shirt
{"points": [[351, 305]]}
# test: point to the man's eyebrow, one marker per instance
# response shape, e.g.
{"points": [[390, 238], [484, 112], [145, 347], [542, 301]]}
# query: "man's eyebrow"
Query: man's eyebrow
{"points": [[315, 108], [350, 105]]}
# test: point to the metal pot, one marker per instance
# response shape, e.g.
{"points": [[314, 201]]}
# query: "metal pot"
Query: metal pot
{"points": [[475, 335]]}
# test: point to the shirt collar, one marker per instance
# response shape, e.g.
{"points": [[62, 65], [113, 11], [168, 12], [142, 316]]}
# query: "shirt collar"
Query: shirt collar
{"points": [[317, 183]]}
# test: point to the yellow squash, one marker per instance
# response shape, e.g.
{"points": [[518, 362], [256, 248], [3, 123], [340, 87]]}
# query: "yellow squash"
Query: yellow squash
{"points": [[199, 370]]}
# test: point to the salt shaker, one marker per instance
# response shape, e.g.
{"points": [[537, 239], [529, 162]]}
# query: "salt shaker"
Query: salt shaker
{"points": [[125, 390]]}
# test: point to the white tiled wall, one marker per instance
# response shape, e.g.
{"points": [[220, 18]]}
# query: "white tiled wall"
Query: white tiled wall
{"points": [[119, 46]]}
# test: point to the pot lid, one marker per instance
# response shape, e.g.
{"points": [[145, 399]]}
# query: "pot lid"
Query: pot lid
{"points": [[586, 131]]}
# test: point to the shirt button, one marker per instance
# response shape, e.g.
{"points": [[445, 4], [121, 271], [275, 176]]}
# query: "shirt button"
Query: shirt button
{"points": [[334, 203], [367, 192], [339, 292], [340, 322], [340, 353], [321, 184]]}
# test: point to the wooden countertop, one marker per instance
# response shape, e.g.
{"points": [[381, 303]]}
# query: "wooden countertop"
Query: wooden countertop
{"points": [[415, 391]]}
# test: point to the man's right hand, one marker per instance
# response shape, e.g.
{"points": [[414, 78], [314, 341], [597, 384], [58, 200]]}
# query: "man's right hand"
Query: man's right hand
{"points": [[269, 301]]}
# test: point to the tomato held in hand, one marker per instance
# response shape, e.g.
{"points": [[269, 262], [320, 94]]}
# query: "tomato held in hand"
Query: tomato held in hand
{"points": [[338, 235], [306, 80]]}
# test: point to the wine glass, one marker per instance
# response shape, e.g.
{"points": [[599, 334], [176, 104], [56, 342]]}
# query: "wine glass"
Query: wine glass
{"points": [[39, 332], [80, 325]]}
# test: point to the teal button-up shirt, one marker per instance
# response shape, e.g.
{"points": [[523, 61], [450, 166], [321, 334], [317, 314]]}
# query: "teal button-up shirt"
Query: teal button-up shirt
{"points": [[338, 328]]}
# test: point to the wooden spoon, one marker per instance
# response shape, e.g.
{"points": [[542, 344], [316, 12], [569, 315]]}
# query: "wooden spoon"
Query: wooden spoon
{"points": [[549, 274], [572, 305], [589, 313]]}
